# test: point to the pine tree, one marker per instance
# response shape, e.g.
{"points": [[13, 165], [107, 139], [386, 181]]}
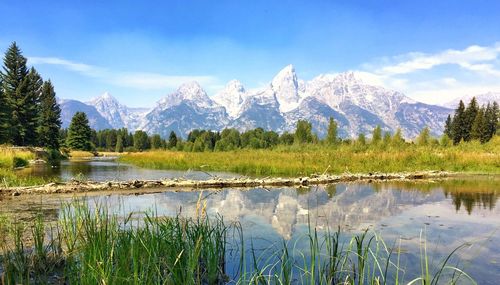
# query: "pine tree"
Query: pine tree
{"points": [[15, 86], [49, 119], [4, 116], [31, 107], [458, 125], [448, 127], [479, 129], [79, 133], [491, 120], [172, 140], [119, 144], [332, 135], [377, 135], [470, 116]]}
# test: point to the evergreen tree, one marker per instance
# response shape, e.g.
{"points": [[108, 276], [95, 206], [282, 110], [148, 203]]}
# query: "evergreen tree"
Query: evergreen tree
{"points": [[4, 116], [458, 125], [79, 133], [491, 120], [479, 127], [172, 140], [15, 86], [470, 116], [303, 132], [332, 136], [31, 107], [119, 144], [377, 135], [49, 119], [448, 127]]}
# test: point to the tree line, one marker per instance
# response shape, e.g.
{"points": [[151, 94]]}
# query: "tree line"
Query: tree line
{"points": [[29, 113], [473, 122], [482, 128]]}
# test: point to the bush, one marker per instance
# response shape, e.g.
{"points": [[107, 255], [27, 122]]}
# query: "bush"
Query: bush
{"points": [[19, 162]]}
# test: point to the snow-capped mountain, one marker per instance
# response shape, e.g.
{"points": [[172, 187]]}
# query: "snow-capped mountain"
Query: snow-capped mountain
{"points": [[482, 99], [117, 115], [70, 107], [231, 97], [357, 107], [184, 110]]}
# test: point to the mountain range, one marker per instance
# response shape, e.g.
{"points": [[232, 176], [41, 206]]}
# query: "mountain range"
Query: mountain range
{"points": [[356, 106]]}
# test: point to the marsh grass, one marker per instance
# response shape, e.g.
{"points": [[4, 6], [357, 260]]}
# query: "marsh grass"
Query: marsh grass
{"points": [[89, 245], [14, 158], [308, 159]]}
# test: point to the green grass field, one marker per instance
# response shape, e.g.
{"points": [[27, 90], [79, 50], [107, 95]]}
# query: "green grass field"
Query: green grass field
{"points": [[298, 160]]}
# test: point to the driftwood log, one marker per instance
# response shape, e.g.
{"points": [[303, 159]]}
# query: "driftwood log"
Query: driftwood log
{"points": [[75, 186]]}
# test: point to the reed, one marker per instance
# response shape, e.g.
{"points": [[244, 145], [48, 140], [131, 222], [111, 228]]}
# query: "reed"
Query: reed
{"points": [[89, 245]]}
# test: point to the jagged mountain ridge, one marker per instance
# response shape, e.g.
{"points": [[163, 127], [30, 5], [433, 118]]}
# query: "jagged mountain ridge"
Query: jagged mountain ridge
{"points": [[357, 107]]}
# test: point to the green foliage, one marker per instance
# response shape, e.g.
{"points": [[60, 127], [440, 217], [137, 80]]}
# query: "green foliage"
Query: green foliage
{"points": [[286, 138], [458, 125], [141, 140], [303, 132], [79, 133], [361, 139], [172, 140], [19, 162], [424, 138], [473, 122], [49, 122], [332, 134], [157, 142], [15, 85], [28, 117], [377, 135], [119, 144], [469, 117]]}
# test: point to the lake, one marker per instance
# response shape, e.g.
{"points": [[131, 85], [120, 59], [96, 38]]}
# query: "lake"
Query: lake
{"points": [[445, 213]]}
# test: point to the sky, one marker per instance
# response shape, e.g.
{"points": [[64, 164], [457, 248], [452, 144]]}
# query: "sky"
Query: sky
{"points": [[139, 51]]}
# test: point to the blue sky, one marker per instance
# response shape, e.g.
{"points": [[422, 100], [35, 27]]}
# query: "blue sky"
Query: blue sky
{"points": [[141, 50]]}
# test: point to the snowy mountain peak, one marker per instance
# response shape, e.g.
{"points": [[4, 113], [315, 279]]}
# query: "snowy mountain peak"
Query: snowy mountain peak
{"points": [[105, 97], [231, 97], [348, 78], [286, 87], [191, 92]]}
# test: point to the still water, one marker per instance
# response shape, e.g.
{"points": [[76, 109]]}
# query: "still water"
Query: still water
{"points": [[108, 169], [448, 213]]}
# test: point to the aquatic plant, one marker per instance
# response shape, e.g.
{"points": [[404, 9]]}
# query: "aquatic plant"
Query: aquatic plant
{"points": [[89, 245]]}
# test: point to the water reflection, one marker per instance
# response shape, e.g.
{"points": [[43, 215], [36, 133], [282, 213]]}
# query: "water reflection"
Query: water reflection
{"points": [[448, 212], [110, 169]]}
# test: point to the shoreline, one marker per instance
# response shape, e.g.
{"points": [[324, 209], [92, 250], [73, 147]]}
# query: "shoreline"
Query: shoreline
{"points": [[218, 183]]}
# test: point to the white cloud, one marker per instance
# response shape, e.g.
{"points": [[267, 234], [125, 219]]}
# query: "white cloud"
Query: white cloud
{"points": [[469, 58], [138, 80], [470, 71]]}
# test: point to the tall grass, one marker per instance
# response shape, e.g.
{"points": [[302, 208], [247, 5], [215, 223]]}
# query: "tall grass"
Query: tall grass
{"points": [[88, 245], [308, 159], [11, 159]]}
